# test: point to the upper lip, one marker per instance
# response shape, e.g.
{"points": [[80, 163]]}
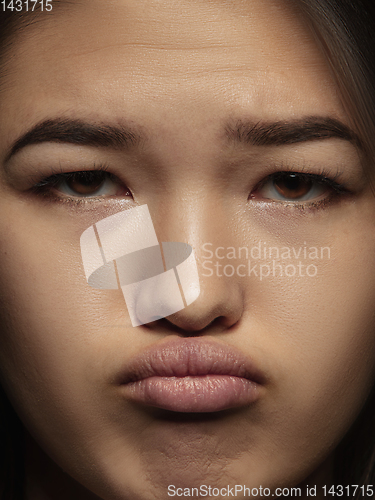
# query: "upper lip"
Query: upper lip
{"points": [[182, 357]]}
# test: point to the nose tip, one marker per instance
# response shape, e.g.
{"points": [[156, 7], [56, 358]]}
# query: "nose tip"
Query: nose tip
{"points": [[220, 304], [188, 299]]}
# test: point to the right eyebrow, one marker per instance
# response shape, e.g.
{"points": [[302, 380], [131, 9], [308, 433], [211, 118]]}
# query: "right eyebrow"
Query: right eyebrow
{"points": [[77, 132]]}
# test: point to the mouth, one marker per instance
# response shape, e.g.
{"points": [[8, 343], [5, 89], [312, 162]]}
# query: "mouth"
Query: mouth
{"points": [[192, 375]]}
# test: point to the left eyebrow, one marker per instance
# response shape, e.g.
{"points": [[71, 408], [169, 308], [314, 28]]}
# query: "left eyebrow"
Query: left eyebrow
{"points": [[77, 132], [282, 133]]}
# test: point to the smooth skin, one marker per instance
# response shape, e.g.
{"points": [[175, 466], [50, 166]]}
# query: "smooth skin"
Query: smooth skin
{"points": [[180, 74]]}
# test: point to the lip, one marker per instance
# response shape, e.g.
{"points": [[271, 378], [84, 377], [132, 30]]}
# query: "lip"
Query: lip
{"points": [[192, 375]]}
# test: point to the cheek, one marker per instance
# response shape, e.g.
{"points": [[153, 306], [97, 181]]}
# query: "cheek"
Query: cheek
{"points": [[53, 323], [320, 292], [316, 333], [58, 345], [43, 283]]}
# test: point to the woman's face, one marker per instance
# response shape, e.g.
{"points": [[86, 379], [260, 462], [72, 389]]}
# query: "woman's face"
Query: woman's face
{"points": [[211, 99]]}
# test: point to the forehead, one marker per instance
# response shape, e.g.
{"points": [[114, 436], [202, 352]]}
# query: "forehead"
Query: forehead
{"points": [[106, 58]]}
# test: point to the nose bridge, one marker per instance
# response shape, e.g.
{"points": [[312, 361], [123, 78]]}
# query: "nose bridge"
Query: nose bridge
{"points": [[198, 219]]}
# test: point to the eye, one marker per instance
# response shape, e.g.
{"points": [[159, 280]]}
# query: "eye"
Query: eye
{"points": [[295, 186], [83, 184]]}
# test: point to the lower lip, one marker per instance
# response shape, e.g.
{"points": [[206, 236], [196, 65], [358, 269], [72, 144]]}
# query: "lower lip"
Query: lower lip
{"points": [[205, 393]]}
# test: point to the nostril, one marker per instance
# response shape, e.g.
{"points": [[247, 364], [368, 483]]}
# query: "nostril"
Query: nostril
{"points": [[218, 308], [169, 326]]}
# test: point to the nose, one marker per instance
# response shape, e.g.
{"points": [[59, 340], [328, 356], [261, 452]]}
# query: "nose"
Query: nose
{"points": [[220, 302], [178, 289], [189, 299]]}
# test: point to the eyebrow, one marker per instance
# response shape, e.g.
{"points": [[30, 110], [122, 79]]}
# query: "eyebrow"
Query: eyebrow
{"points": [[282, 133], [77, 132], [252, 133]]}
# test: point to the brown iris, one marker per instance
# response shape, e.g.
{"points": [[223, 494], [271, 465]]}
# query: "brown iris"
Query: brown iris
{"points": [[292, 186], [85, 183]]}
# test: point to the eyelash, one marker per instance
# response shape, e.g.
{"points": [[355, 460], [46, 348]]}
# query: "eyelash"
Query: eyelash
{"points": [[323, 177], [43, 187], [59, 175]]}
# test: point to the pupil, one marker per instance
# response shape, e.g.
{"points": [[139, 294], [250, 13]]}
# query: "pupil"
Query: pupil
{"points": [[292, 186], [86, 182]]}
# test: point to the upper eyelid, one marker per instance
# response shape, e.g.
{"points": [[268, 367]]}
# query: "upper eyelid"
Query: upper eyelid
{"points": [[60, 175], [337, 190], [322, 177], [45, 186]]}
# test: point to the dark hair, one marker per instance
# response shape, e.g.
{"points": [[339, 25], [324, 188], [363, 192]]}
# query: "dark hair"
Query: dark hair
{"points": [[344, 29]]}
